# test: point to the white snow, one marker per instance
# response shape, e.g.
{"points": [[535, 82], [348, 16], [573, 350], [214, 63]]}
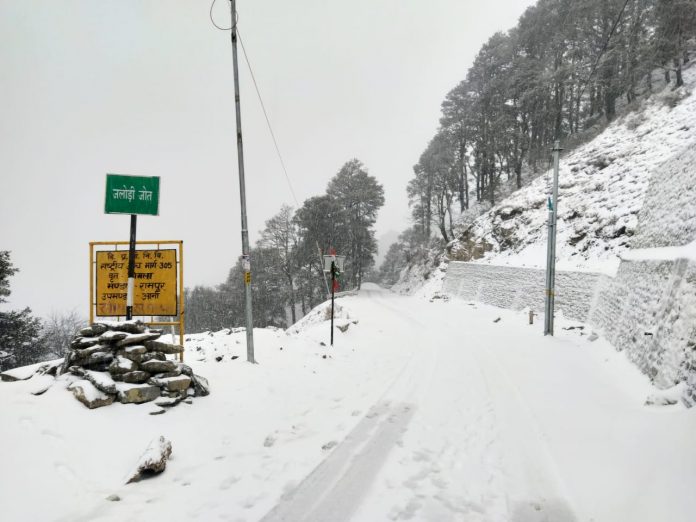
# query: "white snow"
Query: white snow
{"points": [[422, 410], [602, 187], [25, 372], [663, 253]]}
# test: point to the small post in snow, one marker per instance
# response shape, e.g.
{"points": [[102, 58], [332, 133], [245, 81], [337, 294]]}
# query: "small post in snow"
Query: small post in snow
{"points": [[551, 246], [334, 265], [333, 293]]}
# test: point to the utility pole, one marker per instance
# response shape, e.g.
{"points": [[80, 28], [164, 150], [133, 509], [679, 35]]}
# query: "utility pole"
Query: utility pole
{"points": [[246, 261], [551, 247]]}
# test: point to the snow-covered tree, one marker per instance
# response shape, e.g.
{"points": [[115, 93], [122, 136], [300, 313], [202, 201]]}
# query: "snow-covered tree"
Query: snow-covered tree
{"points": [[20, 332], [359, 197]]}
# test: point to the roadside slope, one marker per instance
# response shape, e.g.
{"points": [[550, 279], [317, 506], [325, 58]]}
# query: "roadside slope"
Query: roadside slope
{"points": [[602, 188]]}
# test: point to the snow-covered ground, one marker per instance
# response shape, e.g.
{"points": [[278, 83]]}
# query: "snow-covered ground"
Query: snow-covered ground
{"points": [[425, 409], [602, 187]]}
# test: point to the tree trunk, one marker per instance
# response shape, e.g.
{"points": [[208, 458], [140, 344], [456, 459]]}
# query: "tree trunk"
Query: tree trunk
{"points": [[466, 188], [292, 300], [428, 211], [678, 72], [518, 173]]}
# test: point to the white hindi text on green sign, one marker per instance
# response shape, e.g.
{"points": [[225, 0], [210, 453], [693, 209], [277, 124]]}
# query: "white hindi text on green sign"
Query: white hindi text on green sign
{"points": [[131, 194]]}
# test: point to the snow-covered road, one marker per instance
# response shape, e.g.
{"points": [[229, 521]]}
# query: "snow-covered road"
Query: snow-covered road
{"points": [[433, 447], [424, 409], [461, 434]]}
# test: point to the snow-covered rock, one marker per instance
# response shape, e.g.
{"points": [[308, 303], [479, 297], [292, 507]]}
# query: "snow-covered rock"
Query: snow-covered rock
{"points": [[137, 393], [85, 392], [153, 461]]}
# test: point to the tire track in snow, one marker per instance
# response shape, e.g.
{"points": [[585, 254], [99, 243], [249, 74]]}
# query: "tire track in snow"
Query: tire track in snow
{"points": [[537, 491], [448, 468], [333, 491]]}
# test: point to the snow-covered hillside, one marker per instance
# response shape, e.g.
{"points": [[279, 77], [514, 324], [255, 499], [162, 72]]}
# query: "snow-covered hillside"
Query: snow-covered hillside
{"points": [[601, 190], [425, 409]]}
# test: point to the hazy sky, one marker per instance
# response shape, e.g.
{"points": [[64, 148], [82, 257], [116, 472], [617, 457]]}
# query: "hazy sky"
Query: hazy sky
{"points": [[145, 88]]}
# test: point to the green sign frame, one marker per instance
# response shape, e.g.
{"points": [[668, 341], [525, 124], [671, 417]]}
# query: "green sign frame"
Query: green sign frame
{"points": [[132, 194]]}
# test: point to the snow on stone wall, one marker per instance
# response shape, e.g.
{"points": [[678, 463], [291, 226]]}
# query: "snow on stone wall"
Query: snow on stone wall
{"points": [[655, 300], [649, 310], [519, 287], [668, 216]]}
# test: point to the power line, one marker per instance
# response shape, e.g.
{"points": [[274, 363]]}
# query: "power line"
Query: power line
{"points": [[268, 122], [213, 21], [258, 94]]}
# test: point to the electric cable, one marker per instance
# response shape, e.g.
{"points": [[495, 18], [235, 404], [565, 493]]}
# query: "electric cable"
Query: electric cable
{"points": [[268, 121], [258, 94], [213, 21]]}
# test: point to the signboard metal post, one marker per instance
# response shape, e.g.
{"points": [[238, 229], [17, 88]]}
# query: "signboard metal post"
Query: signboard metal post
{"points": [[131, 267], [131, 195], [334, 265], [333, 292]]}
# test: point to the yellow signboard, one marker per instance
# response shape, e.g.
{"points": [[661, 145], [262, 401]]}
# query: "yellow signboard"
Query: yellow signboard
{"points": [[155, 283]]}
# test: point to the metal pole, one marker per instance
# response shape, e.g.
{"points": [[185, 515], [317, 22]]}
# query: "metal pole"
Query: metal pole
{"points": [[551, 247], [246, 261], [131, 268], [333, 287]]}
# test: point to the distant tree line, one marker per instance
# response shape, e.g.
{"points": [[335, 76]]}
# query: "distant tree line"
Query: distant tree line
{"points": [[287, 270], [555, 74]]}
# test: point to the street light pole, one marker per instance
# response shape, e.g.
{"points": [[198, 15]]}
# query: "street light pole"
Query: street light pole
{"points": [[246, 261], [551, 246]]}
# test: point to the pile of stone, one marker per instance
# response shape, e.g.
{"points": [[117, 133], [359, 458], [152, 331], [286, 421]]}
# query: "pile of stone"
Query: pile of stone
{"points": [[127, 362]]}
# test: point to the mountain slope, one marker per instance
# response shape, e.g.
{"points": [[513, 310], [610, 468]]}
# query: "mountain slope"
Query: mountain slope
{"points": [[601, 190]]}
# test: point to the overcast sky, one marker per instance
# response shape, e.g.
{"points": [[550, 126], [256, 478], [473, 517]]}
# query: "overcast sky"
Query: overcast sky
{"points": [[145, 88]]}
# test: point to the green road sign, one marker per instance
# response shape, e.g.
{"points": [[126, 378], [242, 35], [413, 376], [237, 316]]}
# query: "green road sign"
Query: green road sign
{"points": [[132, 194]]}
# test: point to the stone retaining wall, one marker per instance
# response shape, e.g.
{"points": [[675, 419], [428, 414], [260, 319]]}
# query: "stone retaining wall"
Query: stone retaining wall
{"points": [[519, 287], [648, 309]]}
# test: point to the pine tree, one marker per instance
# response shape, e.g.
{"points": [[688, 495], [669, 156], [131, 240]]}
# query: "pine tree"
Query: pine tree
{"points": [[20, 332], [359, 197]]}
